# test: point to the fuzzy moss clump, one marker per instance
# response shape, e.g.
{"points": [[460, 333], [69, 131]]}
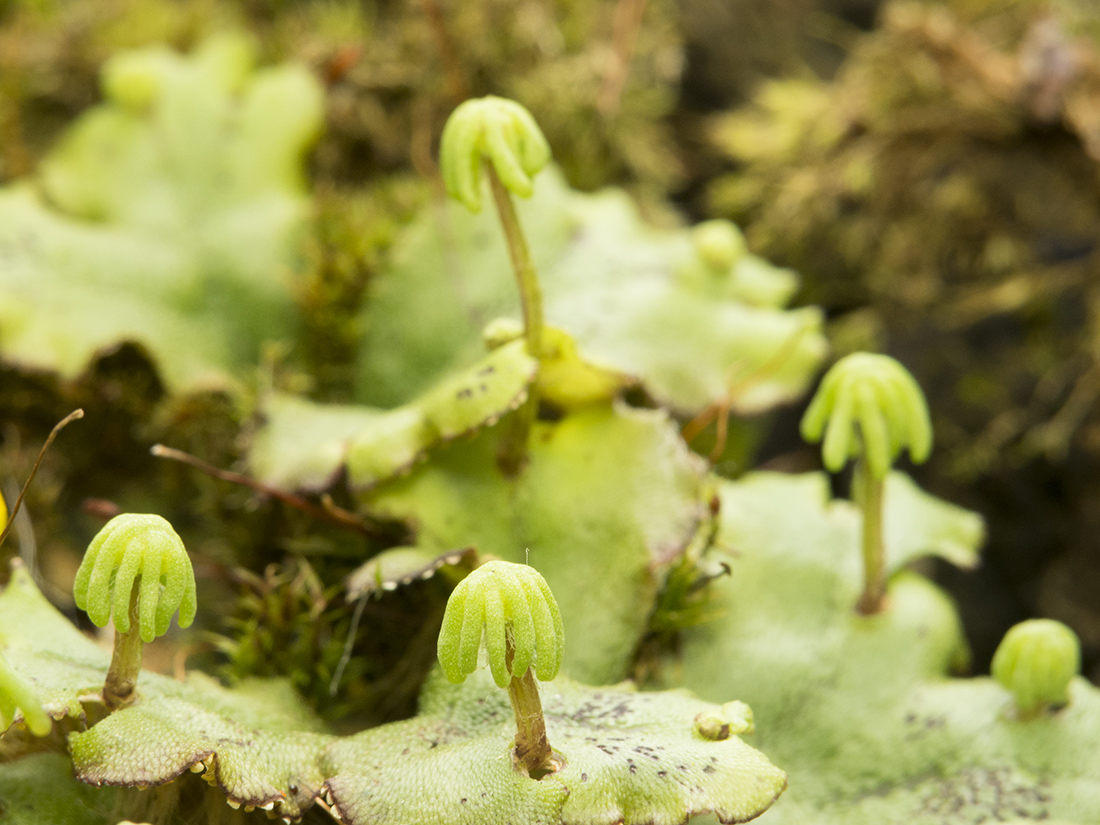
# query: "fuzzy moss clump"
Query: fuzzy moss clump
{"points": [[946, 180], [601, 80]]}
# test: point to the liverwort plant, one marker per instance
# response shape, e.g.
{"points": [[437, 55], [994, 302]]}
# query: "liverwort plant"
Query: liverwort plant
{"points": [[869, 408], [512, 608], [504, 137], [137, 570], [1036, 661]]}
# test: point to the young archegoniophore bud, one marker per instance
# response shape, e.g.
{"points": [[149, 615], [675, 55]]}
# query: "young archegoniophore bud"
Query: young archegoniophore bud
{"points": [[16, 694], [732, 719], [129, 546], [1036, 661], [133, 78], [877, 396], [499, 131], [719, 244], [510, 605]]}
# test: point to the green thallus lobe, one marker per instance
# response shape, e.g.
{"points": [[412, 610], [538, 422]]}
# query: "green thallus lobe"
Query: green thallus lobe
{"points": [[137, 571], [511, 607], [17, 694], [869, 408]]}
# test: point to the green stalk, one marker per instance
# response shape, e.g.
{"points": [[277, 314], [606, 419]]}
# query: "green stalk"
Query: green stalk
{"points": [[868, 495], [118, 691], [516, 430], [530, 293], [532, 749]]}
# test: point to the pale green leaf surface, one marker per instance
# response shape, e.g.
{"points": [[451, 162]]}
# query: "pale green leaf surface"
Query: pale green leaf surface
{"points": [[463, 402], [19, 699], [918, 524], [609, 497], [390, 445], [56, 659], [173, 226], [39, 789], [303, 445], [630, 757], [257, 741], [608, 280], [860, 710]]}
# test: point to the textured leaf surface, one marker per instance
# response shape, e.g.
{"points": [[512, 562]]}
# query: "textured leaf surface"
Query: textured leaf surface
{"points": [[860, 710], [254, 742], [609, 497], [169, 222], [630, 757], [258, 743], [608, 280], [303, 445]]}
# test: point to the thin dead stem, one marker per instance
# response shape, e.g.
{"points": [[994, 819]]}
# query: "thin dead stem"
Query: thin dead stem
{"points": [[58, 427], [326, 511]]}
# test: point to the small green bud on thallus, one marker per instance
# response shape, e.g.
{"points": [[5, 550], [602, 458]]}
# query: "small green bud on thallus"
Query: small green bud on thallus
{"points": [[497, 130], [129, 546], [1036, 661], [501, 602], [868, 405]]}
